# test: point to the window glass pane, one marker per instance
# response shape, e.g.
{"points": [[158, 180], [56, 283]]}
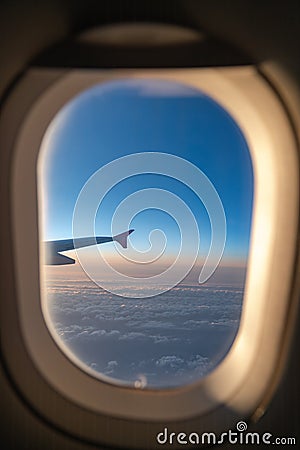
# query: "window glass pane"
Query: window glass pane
{"points": [[166, 161]]}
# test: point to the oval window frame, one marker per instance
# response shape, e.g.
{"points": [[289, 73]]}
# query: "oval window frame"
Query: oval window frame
{"points": [[240, 386]]}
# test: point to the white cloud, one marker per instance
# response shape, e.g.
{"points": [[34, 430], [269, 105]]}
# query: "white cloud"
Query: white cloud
{"points": [[171, 361], [110, 367], [131, 335]]}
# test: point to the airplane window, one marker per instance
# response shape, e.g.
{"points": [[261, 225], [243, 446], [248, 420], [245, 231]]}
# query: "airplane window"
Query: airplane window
{"points": [[145, 203]]}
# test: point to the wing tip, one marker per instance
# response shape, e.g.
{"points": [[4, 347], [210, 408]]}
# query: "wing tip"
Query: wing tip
{"points": [[122, 238]]}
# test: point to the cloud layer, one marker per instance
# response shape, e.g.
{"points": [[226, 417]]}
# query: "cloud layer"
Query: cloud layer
{"points": [[169, 340]]}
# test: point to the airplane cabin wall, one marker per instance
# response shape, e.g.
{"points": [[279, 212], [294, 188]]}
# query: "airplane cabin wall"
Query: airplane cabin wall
{"points": [[264, 29]]}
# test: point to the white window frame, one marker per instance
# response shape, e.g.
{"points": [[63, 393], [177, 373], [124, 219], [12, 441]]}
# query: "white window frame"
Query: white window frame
{"points": [[243, 379]]}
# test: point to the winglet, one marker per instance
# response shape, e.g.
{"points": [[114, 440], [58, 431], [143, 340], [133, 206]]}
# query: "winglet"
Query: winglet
{"points": [[122, 238]]}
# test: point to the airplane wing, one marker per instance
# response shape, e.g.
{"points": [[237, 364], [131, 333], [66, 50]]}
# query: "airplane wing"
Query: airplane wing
{"points": [[53, 249]]}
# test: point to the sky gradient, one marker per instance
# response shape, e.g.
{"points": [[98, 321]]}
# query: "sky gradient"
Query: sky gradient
{"points": [[123, 117]]}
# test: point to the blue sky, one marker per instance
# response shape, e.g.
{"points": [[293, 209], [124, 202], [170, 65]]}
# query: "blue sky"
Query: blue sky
{"points": [[122, 117]]}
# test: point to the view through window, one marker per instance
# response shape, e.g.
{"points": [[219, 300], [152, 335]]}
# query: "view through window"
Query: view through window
{"points": [[146, 190]]}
